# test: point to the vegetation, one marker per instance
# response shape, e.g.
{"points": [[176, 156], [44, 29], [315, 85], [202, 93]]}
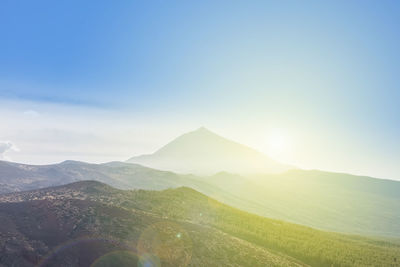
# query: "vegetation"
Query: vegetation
{"points": [[64, 227], [314, 247], [331, 201], [194, 229]]}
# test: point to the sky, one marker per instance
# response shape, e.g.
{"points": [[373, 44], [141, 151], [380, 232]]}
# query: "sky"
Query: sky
{"points": [[310, 83]]}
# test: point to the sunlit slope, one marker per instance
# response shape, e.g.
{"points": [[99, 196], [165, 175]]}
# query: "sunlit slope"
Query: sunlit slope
{"points": [[313, 247], [194, 211], [203, 152], [331, 201]]}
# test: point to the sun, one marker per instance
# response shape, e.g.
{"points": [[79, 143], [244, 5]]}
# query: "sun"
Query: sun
{"points": [[277, 144]]}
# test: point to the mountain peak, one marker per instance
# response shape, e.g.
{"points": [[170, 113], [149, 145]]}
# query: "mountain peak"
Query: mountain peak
{"points": [[202, 129], [203, 152]]}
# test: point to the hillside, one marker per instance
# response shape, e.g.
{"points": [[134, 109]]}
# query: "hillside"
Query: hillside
{"points": [[85, 224], [331, 201], [16, 177], [219, 235], [203, 152]]}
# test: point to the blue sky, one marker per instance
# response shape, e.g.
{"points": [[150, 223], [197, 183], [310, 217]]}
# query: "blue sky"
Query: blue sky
{"points": [[323, 74]]}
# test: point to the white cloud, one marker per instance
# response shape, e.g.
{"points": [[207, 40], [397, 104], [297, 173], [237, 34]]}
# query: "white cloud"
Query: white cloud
{"points": [[6, 146]]}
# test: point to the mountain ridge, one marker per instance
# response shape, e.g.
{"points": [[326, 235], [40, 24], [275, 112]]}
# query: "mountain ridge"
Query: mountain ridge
{"points": [[329, 201]]}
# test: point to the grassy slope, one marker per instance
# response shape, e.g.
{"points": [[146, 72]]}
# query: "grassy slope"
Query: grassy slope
{"points": [[330, 201], [313, 247]]}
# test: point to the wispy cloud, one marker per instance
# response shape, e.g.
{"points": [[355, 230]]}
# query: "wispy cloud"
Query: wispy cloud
{"points": [[6, 146], [45, 93]]}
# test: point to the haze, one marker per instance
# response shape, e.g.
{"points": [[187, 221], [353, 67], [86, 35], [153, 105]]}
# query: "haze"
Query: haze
{"points": [[313, 87]]}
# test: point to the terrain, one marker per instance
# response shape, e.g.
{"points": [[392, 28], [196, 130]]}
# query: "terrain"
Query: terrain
{"points": [[203, 152], [19, 177], [329, 201], [91, 223]]}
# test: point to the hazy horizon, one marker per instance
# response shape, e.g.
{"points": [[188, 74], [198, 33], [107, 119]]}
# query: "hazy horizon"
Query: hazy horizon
{"points": [[11, 147], [315, 85]]}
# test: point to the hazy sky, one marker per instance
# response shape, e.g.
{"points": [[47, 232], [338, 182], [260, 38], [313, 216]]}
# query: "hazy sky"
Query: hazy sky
{"points": [[310, 83]]}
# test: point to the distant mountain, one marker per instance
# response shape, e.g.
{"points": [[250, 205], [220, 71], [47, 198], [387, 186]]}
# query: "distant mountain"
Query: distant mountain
{"points": [[15, 177], [20, 177], [91, 224], [203, 152]]}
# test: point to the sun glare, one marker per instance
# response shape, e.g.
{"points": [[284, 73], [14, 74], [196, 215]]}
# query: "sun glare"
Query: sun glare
{"points": [[278, 144]]}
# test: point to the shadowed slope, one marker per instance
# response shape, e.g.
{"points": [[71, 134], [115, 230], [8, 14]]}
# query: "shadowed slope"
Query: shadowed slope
{"points": [[92, 224]]}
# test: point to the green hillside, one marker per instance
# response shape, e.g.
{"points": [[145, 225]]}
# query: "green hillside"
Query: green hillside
{"points": [[330, 201], [317, 248], [187, 206]]}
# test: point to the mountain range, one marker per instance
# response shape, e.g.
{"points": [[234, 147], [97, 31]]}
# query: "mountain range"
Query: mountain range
{"points": [[324, 200], [329, 201], [20, 177]]}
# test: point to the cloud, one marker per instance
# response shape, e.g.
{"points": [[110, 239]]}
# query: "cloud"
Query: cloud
{"points": [[6, 146]]}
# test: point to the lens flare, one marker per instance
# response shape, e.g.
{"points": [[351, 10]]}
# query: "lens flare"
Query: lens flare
{"points": [[166, 241]]}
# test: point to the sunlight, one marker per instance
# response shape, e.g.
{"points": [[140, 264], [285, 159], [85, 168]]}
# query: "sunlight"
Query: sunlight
{"points": [[278, 144]]}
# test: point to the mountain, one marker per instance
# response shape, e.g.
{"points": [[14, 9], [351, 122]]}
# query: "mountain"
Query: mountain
{"points": [[21, 177], [91, 224], [15, 177], [203, 152], [331, 201]]}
